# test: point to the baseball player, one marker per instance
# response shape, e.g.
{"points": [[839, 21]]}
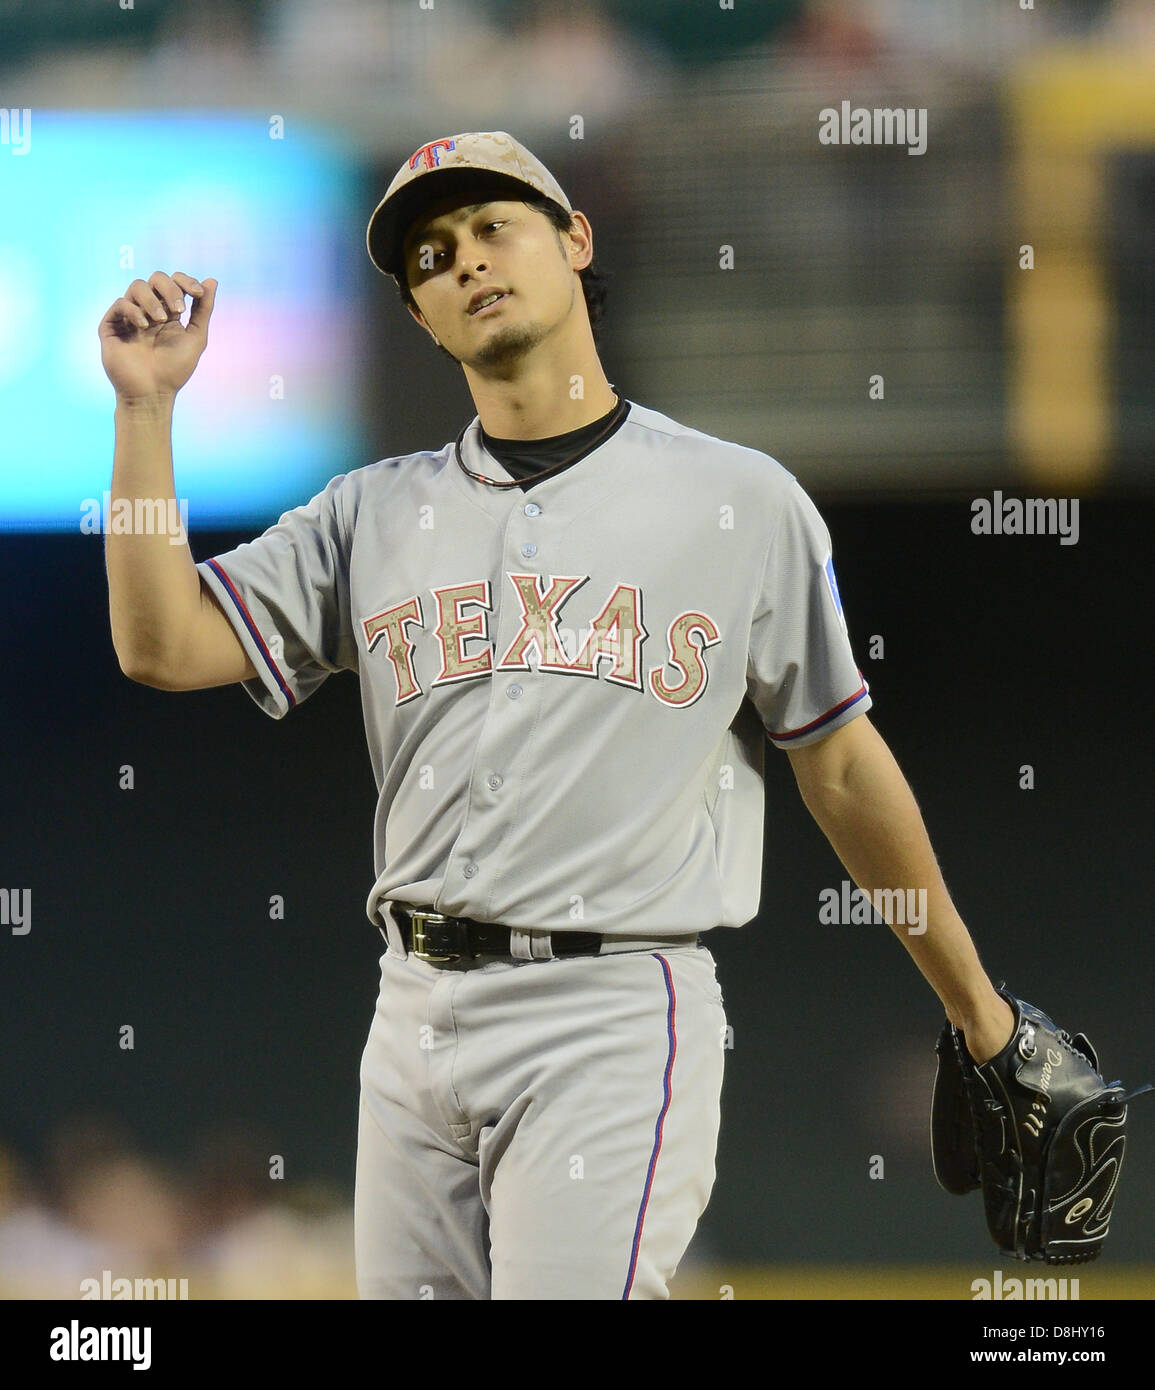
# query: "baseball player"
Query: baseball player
{"points": [[575, 627]]}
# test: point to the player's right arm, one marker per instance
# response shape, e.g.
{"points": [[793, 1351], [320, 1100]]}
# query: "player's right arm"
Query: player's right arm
{"points": [[167, 628]]}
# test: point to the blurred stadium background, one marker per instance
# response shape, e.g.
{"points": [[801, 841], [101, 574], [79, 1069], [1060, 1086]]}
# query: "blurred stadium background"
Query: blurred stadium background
{"points": [[249, 141]]}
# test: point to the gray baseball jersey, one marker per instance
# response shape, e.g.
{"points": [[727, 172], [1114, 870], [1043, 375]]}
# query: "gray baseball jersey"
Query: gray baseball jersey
{"points": [[555, 681]]}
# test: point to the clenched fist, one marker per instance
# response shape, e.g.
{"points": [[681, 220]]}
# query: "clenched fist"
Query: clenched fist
{"points": [[146, 350]]}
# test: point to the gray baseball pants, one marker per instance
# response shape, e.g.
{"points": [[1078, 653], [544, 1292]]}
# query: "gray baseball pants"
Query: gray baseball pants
{"points": [[537, 1129]]}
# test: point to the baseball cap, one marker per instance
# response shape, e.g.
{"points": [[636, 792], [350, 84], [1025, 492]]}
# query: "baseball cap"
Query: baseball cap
{"points": [[454, 164]]}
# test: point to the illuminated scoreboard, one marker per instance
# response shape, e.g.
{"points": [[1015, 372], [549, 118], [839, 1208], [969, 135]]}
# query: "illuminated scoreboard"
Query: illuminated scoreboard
{"points": [[90, 202]]}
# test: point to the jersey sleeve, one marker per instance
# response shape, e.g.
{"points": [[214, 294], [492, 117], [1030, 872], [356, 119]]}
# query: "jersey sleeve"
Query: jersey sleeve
{"points": [[286, 594], [802, 676]]}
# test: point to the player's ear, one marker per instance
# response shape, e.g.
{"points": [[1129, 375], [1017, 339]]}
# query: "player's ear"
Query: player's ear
{"points": [[579, 241], [419, 318]]}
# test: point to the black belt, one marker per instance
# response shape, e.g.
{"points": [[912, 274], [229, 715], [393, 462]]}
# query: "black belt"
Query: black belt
{"points": [[434, 937]]}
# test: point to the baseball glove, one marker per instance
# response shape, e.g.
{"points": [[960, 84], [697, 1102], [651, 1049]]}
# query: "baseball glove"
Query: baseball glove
{"points": [[1039, 1130]]}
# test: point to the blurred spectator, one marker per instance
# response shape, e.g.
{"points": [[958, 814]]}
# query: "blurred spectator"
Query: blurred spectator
{"points": [[99, 1208], [250, 1236], [230, 1231], [207, 54]]}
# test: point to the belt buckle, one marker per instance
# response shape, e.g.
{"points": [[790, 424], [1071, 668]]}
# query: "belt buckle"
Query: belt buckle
{"points": [[417, 921]]}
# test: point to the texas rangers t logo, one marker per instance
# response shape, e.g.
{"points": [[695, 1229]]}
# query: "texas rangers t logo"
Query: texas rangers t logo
{"points": [[430, 153]]}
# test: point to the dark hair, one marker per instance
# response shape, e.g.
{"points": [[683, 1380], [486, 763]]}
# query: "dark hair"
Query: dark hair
{"points": [[592, 277]]}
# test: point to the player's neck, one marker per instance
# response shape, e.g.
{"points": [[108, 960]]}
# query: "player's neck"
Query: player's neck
{"points": [[548, 394]]}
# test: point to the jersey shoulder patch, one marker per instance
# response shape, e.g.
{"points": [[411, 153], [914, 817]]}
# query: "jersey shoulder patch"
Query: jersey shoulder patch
{"points": [[834, 594]]}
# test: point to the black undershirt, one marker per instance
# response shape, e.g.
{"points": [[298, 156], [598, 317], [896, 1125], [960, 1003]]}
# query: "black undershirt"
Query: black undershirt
{"points": [[525, 459]]}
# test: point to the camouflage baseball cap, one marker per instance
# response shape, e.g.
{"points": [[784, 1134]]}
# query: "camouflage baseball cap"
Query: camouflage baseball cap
{"points": [[455, 164]]}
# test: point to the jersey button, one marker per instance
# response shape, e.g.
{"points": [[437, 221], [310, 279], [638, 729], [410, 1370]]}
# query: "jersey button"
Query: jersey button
{"points": [[532, 509], [470, 870], [528, 550], [513, 691], [494, 781]]}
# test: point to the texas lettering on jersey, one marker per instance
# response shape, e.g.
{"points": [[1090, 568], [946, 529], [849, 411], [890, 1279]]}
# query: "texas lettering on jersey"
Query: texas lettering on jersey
{"points": [[459, 617]]}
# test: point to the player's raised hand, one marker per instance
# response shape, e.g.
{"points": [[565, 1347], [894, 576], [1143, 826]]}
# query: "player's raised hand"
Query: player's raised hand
{"points": [[146, 350]]}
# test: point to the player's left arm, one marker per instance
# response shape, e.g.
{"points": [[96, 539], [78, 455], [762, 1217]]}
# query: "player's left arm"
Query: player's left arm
{"points": [[857, 794]]}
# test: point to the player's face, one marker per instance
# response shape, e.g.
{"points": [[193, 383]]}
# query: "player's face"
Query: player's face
{"points": [[494, 279]]}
